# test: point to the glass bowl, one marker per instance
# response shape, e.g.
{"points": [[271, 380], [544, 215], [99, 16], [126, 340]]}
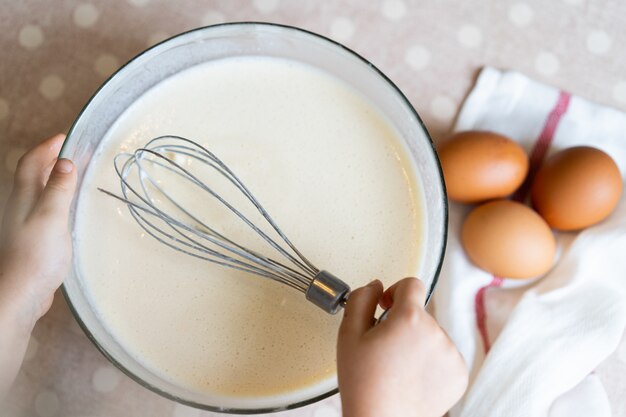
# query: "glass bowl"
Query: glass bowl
{"points": [[237, 39]]}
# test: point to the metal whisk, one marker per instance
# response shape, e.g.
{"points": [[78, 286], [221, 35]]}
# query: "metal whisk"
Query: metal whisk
{"points": [[163, 216]]}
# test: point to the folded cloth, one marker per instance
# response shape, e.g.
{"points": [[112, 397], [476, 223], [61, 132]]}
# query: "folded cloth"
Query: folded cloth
{"points": [[532, 347]]}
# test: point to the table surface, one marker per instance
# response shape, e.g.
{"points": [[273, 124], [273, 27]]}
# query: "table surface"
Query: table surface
{"points": [[55, 57]]}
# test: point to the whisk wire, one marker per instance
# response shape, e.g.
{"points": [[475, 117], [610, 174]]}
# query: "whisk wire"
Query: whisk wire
{"points": [[297, 282], [187, 233], [233, 179], [137, 158], [231, 176]]}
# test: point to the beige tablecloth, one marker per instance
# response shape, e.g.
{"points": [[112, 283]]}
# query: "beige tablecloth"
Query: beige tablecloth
{"points": [[55, 54]]}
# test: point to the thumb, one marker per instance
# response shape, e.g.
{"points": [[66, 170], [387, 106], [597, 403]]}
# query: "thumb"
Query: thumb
{"points": [[359, 312], [56, 198]]}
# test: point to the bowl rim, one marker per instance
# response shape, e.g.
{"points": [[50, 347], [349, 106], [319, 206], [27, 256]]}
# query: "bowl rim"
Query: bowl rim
{"points": [[398, 92]]}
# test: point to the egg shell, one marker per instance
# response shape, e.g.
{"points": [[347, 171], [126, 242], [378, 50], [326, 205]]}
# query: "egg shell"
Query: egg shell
{"points": [[576, 188], [479, 166], [509, 240]]}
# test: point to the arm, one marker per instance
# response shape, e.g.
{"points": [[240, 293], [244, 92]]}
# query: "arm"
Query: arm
{"points": [[404, 366], [35, 249]]}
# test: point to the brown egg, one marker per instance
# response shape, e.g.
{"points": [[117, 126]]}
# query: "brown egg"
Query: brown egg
{"points": [[479, 166], [509, 240], [576, 188]]}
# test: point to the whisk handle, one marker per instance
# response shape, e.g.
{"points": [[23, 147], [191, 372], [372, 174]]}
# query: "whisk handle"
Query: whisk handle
{"points": [[328, 292]]}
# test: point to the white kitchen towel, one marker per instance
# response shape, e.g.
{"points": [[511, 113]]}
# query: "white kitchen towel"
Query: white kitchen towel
{"points": [[544, 338]]}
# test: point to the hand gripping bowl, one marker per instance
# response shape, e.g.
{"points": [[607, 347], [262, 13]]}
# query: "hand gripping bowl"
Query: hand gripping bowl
{"points": [[240, 39]]}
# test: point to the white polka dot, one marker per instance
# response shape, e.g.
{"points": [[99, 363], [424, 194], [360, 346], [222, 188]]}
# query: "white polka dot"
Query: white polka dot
{"points": [[4, 108], [326, 411], [417, 57], [393, 9], [139, 3], [156, 38], [546, 63], [443, 108], [106, 64], [342, 29], [30, 36], [105, 379], [213, 17], [46, 404], [12, 157], [470, 36], [520, 14], [599, 42], [619, 92], [31, 351], [185, 411], [265, 6], [86, 15], [52, 87]]}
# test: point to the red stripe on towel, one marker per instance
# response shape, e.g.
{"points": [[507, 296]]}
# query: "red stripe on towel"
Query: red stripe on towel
{"points": [[537, 156], [481, 313], [544, 141]]}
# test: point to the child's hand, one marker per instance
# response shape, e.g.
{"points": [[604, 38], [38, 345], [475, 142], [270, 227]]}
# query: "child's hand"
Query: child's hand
{"points": [[35, 247], [404, 366]]}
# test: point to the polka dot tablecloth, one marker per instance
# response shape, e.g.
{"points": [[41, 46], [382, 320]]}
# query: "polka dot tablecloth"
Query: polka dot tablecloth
{"points": [[54, 56]]}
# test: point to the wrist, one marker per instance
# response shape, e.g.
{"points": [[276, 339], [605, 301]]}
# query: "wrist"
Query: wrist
{"points": [[17, 307], [16, 321]]}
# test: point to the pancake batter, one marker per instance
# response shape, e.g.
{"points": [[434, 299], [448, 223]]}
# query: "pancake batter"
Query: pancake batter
{"points": [[324, 163]]}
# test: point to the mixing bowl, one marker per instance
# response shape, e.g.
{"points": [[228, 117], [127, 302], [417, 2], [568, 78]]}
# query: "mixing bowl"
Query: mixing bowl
{"points": [[240, 39]]}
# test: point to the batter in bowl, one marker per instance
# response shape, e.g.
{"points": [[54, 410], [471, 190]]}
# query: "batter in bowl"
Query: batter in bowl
{"points": [[325, 164]]}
